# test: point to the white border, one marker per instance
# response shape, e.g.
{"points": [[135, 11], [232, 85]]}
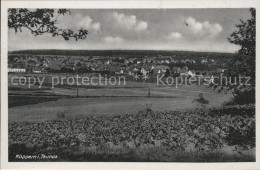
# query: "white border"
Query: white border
{"points": [[116, 4]]}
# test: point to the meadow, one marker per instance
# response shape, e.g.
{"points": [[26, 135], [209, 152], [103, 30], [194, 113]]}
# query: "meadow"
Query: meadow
{"points": [[45, 103]]}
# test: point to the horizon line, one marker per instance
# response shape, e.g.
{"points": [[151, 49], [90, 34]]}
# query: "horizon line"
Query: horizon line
{"points": [[123, 50]]}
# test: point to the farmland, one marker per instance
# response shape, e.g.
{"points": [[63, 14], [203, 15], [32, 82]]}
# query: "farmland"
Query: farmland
{"points": [[45, 103]]}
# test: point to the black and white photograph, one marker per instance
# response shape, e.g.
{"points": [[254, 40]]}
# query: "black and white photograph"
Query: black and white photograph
{"points": [[169, 85]]}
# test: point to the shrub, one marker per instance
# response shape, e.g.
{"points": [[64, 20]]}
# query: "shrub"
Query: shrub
{"points": [[246, 96], [201, 100], [61, 115], [148, 108]]}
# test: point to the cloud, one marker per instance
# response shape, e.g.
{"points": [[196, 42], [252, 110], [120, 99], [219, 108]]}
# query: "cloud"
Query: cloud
{"points": [[96, 26], [203, 28], [174, 36], [78, 21], [129, 22], [110, 39], [141, 26], [86, 22]]}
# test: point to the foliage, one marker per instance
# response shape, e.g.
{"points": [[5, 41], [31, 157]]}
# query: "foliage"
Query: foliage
{"points": [[201, 100], [242, 97], [148, 108], [244, 62], [176, 130], [247, 110], [41, 21], [245, 37], [167, 73]]}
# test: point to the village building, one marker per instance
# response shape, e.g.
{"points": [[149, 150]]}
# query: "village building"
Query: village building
{"points": [[221, 70], [204, 61], [183, 71], [191, 73], [16, 70], [36, 70], [160, 69], [176, 70]]}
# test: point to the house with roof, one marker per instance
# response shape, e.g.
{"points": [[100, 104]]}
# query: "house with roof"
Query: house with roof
{"points": [[135, 69], [44, 63], [37, 70], [118, 70], [144, 71], [108, 61], [131, 60], [138, 62], [183, 71], [130, 73], [189, 61], [126, 61], [221, 70], [16, 70], [191, 73], [212, 61], [167, 61], [176, 70], [204, 61], [149, 60], [160, 69]]}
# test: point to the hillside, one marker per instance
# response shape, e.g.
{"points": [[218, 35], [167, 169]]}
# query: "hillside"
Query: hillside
{"points": [[124, 53]]}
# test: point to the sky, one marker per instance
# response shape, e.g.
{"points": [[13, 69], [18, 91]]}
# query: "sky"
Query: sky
{"points": [[141, 29]]}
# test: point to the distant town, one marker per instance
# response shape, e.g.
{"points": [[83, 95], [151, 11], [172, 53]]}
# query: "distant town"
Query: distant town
{"points": [[175, 64]]}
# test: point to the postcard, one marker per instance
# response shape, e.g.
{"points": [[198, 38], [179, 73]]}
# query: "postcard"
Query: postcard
{"points": [[129, 84]]}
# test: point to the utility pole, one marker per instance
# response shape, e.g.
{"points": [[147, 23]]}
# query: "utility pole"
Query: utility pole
{"points": [[149, 93], [77, 85], [77, 90], [26, 59]]}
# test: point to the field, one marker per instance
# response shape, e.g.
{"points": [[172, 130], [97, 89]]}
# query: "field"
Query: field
{"points": [[136, 122], [45, 103]]}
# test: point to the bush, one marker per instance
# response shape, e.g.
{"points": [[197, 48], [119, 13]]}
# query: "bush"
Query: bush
{"points": [[61, 115], [201, 100], [148, 108], [244, 97]]}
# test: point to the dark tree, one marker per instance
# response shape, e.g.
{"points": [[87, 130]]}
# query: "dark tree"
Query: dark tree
{"points": [[167, 73], [244, 62], [41, 21]]}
